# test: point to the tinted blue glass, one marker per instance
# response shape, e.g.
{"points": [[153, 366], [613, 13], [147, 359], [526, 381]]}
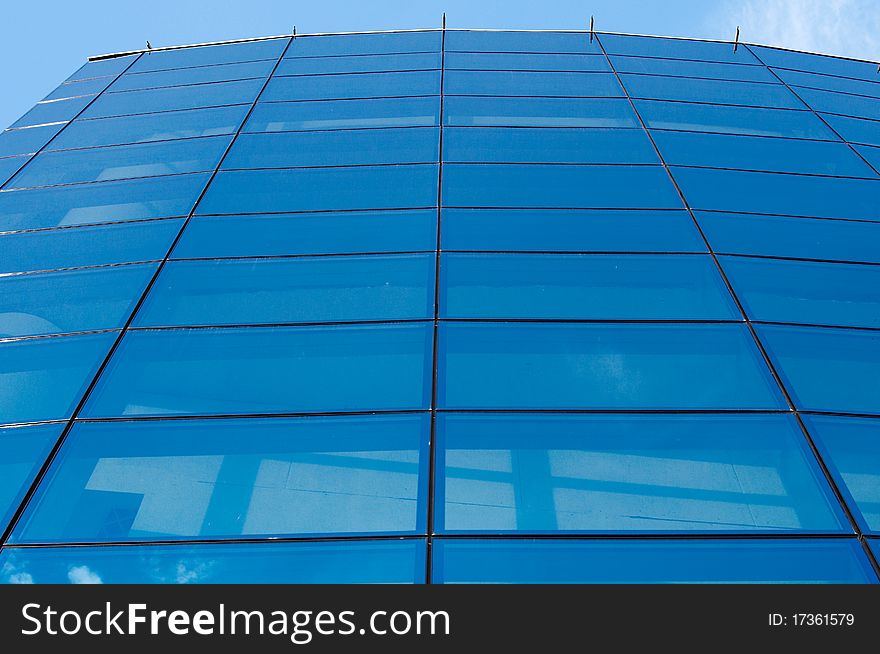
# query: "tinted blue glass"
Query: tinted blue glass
{"points": [[53, 111], [22, 453], [733, 120], [350, 44], [682, 68], [359, 64], [841, 103], [335, 148], [151, 127], [320, 233], [133, 481], [70, 301], [344, 114], [826, 369], [759, 153], [816, 63], [649, 46], [830, 83], [266, 370], [851, 449], [547, 145], [583, 287], [26, 141], [499, 185], [846, 295], [177, 97], [358, 85], [708, 90], [385, 561], [531, 83], [84, 87], [596, 366], [570, 231], [210, 55], [478, 41], [102, 67], [871, 154], [10, 165], [43, 378], [854, 130], [99, 203], [522, 61], [249, 291], [538, 112], [796, 195], [121, 162], [314, 189], [779, 236], [227, 72], [532, 473], [651, 561]]}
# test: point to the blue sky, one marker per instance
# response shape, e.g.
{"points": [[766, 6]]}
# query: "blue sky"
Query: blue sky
{"points": [[42, 43]]}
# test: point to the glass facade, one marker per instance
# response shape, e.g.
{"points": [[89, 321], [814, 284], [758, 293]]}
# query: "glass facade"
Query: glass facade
{"points": [[443, 306]]}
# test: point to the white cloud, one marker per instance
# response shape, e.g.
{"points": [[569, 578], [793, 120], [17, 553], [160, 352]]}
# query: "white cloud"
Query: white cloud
{"points": [[10, 574], [82, 574], [840, 27]]}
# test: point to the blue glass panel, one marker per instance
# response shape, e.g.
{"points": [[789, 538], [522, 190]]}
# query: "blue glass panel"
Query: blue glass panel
{"points": [[70, 301], [850, 448], [75, 89], [795, 195], [733, 120], [531, 83], [26, 141], [98, 203], [648, 46], [335, 148], [499, 185], [169, 480], [538, 112], [830, 83], [315, 189], [176, 97], [816, 63], [385, 561], [826, 369], [319, 233], [151, 127], [53, 111], [515, 145], [201, 75], [547, 473], [358, 85], [521, 61], [266, 370], [359, 64], [596, 366], [344, 114], [87, 246], [210, 55], [570, 231], [854, 130], [43, 378], [273, 291], [682, 68], [760, 153], [583, 287], [841, 103], [10, 165], [123, 161], [651, 561], [102, 67], [22, 453], [362, 44], [842, 294], [875, 547], [871, 154], [779, 236], [560, 42], [708, 90]]}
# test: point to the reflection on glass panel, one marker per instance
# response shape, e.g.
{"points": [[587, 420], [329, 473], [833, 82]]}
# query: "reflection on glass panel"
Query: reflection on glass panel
{"points": [[273, 291], [364, 44], [10, 165], [538, 112], [500, 41], [600, 366], [841, 103], [851, 449], [131, 481], [533, 473], [683, 68], [344, 114], [570, 231], [99, 203], [521, 61], [70, 301], [710, 90], [826, 369], [53, 111], [335, 148], [317, 233], [854, 130], [384, 561], [122, 162], [75, 89], [102, 67], [210, 55], [648, 46], [583, 287], [359, 85], [806, 561], [560, 186], [359, 64], [22, 453], [266, 370], [43, 378], [316, 189], [815, 63], [830, 83], [178, 77], [26, 141], [531, 84], [525, 145]]}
